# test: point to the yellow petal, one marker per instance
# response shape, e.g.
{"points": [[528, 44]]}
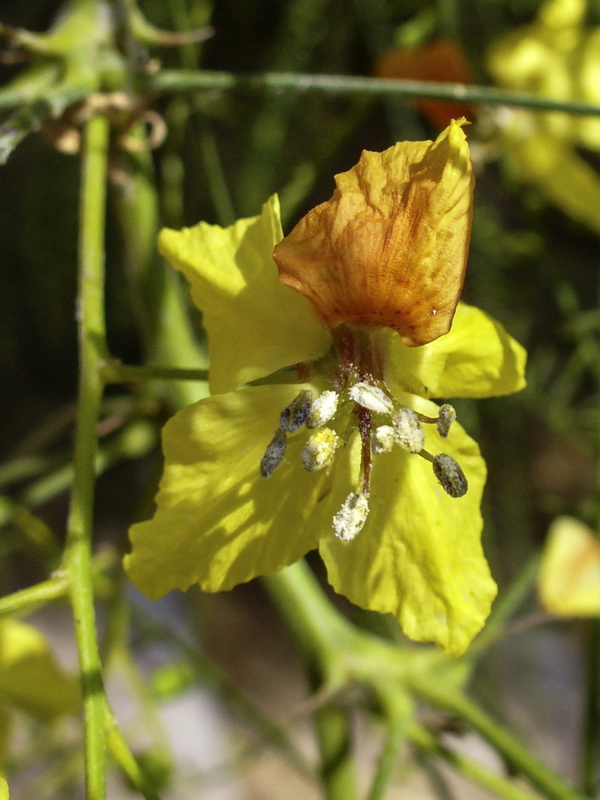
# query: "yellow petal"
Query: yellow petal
{"points": [[477, 358], [3, 789], [255, 325], [556, 57], [390, 247], [419, 554], [569, 578], [218, 522], [558, 172], [560, 14], [29, 676]]}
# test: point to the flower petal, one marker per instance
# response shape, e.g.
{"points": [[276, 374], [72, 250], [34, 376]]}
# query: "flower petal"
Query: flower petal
{"points": [[218, 522], [30, 678], [477, 358], [553, 165], [569, 579], [255, 325], [390, 247], [419, 554]]}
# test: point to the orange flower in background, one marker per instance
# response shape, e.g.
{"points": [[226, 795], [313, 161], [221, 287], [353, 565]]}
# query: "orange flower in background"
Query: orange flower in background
{"points": [[442, 61], [390, 247]]}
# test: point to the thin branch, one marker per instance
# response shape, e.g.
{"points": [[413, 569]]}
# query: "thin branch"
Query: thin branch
{"points": [[92, 352], [184, 80]]}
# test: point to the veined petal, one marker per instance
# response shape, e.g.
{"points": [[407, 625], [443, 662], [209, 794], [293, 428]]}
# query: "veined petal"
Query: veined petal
{"points": [[419, 554], [218, 522], [255, 325], [390, 247], [477, 358]]}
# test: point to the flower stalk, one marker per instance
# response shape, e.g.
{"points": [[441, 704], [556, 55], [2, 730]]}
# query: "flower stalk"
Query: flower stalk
{"points": [[347, 656], [92, 354], [184, 80]]}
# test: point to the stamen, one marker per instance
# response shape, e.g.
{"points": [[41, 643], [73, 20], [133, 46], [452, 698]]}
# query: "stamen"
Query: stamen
{"points": [[323, 409], [383, 439], [446, 417], [351, 517], [451, 477], [320, 449], [409, 433], [273, 454], [293, 417], [371, 397]]}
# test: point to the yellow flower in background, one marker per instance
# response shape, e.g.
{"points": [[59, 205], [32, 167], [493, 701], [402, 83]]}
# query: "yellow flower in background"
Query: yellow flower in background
{"points": [[558, 58], [569, 576], [354, 460], [30, 680]]}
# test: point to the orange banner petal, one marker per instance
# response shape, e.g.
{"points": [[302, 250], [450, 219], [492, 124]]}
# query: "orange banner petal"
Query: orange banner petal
{"points": [[390, 247]]}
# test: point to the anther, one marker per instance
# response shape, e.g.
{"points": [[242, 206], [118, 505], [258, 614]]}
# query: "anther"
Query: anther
{"points": [[451, 477], [371, 397], [383, 439], [445, 419], [293, 417], [323, 409], [320, 449], [408, 430], [350, 519], [273, 454]]}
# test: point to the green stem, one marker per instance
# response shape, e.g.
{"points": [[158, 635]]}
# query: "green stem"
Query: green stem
{"points": [[319, 629], [591, 727], [122, 754], [317, 626], [92, 353], [399, 714], [504, 743], [183, 80], [345, 655], [28, 599], [489, 780], [161, 304], [216, 178], [337, 770]]}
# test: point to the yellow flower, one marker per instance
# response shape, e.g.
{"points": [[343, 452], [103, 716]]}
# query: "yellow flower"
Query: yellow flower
{"points": [[555, 57], [30, 680], [355, 460], [569, 577]]}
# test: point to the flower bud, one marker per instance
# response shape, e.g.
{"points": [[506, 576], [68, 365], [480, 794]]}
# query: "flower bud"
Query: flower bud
{"points": [[451, 477], [351, 517], [371, 397], [408, 430], [320, 449]]}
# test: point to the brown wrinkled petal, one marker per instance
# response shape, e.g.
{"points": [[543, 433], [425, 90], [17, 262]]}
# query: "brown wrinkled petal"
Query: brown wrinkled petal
{"points": [[390, 247]]}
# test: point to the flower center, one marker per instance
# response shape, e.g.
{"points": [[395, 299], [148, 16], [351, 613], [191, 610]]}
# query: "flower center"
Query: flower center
{"points": [[358, 401]]}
